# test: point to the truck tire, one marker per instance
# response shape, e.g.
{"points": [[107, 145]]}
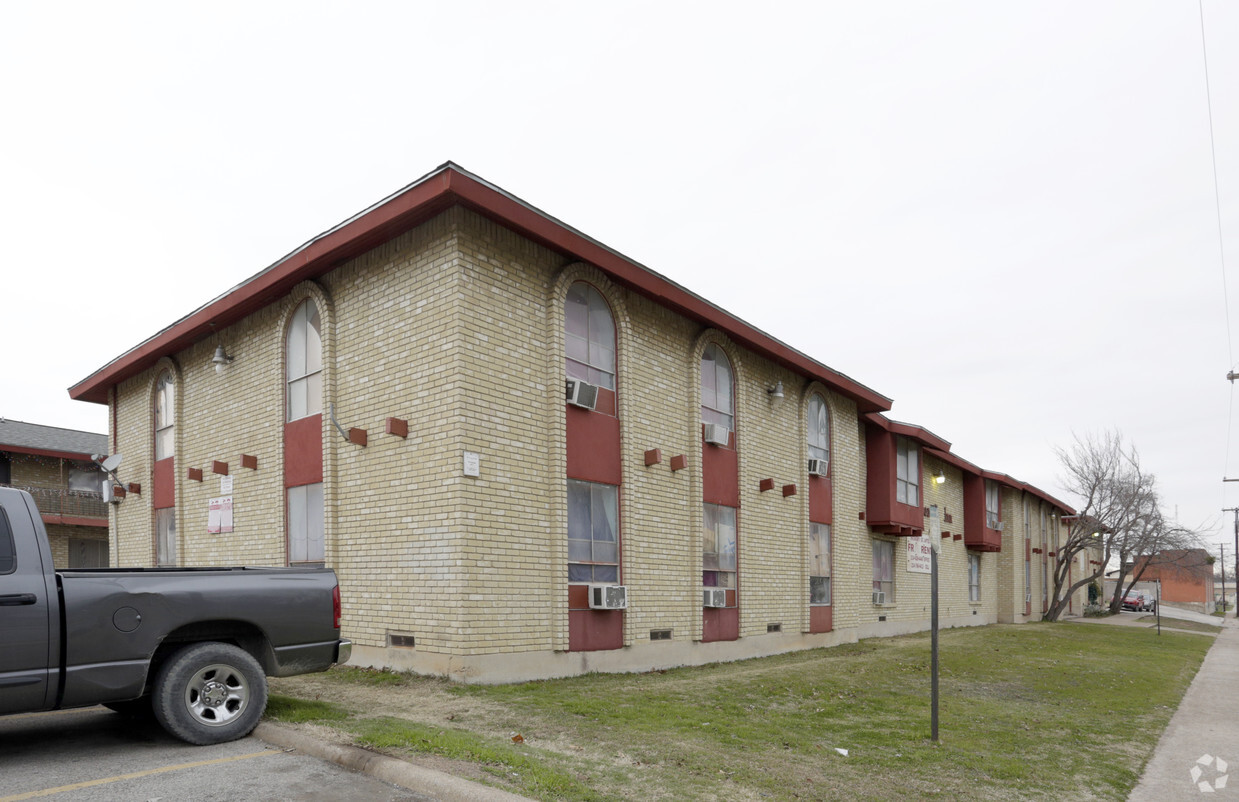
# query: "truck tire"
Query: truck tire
{"points": [[209, 693]]}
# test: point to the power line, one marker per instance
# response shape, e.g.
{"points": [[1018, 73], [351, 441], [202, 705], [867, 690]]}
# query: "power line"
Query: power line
{"points": [[1221, 242], [1217, 197]]}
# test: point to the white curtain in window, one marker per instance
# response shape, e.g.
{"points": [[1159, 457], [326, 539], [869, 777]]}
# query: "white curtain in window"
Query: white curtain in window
{"points": [[819, 429], [716, 387], [305, 523]]}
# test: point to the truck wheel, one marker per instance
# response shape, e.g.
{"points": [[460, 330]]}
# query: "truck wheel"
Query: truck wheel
{"points": [[208, 693]]}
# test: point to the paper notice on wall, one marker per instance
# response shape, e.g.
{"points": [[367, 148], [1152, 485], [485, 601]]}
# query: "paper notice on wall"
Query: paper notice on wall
{"points": [[219, 515]]}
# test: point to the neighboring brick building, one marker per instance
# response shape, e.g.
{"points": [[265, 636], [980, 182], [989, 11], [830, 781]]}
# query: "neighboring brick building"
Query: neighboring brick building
{"points": [[1186, 577], [389, 400], [55, 466]]}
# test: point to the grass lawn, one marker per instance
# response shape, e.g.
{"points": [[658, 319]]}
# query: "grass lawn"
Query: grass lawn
{"points": [[1042, 711], [1180, 623]]}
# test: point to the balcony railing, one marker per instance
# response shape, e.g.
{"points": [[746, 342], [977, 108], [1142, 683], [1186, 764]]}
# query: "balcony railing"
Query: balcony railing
{"points": [[72, 503]]}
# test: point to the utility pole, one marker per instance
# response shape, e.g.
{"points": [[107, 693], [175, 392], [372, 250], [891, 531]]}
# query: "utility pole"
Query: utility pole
{"points": [[1235, 510], [1223, 546]]}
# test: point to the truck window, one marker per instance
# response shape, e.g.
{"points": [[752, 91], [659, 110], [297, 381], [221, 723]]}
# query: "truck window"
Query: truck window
{"points": [[8, 558]]}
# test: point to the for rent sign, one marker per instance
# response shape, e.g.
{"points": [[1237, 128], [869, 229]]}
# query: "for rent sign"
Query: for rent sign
{"points": [[920, 553], [920, 549]]}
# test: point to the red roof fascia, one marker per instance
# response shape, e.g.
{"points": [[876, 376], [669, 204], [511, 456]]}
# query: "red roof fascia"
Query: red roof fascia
{"points": [[366, 231], [413, 205], [953, 459], [917, 433], [1001, 478]]}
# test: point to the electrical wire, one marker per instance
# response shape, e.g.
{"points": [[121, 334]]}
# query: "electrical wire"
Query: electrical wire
{"points": [[1217, 197], [1221, 243]]}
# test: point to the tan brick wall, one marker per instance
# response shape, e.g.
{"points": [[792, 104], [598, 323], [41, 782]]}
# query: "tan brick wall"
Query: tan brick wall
{"points": [[456, 327], [913, 593]]}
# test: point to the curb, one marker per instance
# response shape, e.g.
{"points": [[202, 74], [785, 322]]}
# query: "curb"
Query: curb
{"points": [[437, 784]]}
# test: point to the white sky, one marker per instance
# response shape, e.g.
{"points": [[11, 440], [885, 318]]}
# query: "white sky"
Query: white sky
{"points": [[1000, 215]]}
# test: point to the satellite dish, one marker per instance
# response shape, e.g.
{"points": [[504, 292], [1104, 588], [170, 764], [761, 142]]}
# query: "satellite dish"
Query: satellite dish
{"points": [[111, 463]]}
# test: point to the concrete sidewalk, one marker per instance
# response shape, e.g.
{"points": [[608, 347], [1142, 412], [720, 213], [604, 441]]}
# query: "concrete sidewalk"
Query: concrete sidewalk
{"points": [[1200, 748]]}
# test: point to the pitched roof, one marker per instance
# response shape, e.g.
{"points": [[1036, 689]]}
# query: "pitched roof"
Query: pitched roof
{"points": [[447, 186], [31, 438]]}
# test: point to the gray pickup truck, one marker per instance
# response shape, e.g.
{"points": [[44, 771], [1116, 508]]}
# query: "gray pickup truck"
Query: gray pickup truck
{"points": [[191, 646]]}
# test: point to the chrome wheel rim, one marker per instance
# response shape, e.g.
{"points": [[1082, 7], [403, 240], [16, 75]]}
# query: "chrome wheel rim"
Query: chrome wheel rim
{"points": [[217, 694]]}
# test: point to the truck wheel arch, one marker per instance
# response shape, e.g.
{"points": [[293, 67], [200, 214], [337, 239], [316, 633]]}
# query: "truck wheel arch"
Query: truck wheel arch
{"points": [[241, 634]]}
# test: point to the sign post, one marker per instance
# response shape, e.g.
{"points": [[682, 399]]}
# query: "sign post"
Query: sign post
{"points": [[935, 536]]}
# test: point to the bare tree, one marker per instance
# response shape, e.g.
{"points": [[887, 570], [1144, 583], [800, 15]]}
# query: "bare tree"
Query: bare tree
{"points": [[1120, 517], [1118, 502]]}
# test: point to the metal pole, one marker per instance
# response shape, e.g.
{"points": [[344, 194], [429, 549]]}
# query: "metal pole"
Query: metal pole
{"points": [[935, 545], [1157, 605], [1235, 510], [933, 641], [1223, 546]]}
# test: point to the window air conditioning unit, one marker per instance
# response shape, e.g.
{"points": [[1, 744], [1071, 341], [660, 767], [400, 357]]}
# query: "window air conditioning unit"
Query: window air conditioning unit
{"points": [[718, 434], [879, 597], [582, 394], [818, 467], [998, 525], [608, 597], [713, 597]]}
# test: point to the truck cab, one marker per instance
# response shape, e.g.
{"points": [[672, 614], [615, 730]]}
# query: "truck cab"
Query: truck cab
{"points": [[29, 659]]}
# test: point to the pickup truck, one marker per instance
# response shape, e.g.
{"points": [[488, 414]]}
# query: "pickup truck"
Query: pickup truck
{"points": [[191, 646]]}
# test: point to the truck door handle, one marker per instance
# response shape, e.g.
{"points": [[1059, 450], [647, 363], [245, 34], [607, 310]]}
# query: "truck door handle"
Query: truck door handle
{"points": [[16, 599]]}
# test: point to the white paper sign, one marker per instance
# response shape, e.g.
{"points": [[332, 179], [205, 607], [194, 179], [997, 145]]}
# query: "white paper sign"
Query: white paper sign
{"points": [[920, 549], [225, 485], [920, 554], [473, 464], [219, 515]]}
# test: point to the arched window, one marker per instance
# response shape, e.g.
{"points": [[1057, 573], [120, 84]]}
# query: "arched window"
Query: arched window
{"points": [[589, 336], [305, 363], [819, 429], [162, 483], [716, 388], [165, 416]]}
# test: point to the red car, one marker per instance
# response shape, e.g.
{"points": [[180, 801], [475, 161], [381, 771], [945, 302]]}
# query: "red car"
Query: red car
{"points": [[1138, 600]]}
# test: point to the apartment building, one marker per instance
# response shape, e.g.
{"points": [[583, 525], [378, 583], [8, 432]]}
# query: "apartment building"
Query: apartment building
{"points": [[54, 465], [528, 456]]}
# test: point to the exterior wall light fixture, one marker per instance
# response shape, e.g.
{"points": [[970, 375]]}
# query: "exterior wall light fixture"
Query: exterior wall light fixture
{"points": [[940, 477], [775, 393], [220, 359]]}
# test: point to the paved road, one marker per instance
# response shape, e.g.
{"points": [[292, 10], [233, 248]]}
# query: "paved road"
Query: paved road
{"points": [[95, 754]]}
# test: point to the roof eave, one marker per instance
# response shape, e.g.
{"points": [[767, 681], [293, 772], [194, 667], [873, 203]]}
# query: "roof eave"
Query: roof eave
{"points": [[440, 189]]}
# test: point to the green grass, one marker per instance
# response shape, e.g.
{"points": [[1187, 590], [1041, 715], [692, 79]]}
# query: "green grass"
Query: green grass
{"points": [[295, 711], [535, 774], [1179, 623], [1030, 711]]}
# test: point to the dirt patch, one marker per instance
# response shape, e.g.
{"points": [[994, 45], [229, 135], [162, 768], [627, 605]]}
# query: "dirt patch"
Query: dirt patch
{"points": [[419, 701]]}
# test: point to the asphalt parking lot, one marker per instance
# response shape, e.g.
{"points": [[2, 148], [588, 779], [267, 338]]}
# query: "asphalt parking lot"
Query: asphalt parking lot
{"points": [[95, 754]]}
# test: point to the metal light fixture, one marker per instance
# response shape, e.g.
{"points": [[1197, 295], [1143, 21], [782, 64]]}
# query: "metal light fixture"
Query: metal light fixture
{"points": [[940, 477], [775, 393], [220, 359]]}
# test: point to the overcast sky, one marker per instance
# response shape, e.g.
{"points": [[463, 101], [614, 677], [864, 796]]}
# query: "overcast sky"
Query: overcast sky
{"points": [[1000, 215]]}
